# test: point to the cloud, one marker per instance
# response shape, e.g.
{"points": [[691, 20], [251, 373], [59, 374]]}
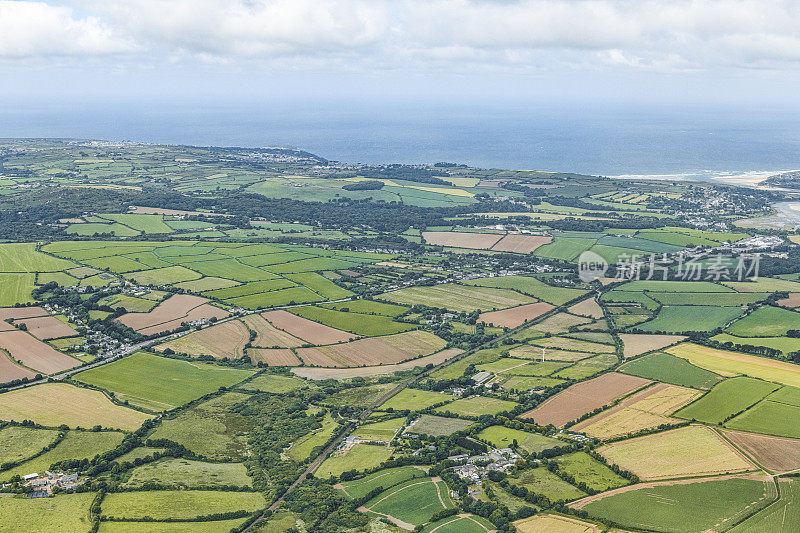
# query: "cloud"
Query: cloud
{"points": [[38, 29], [663, 35]]}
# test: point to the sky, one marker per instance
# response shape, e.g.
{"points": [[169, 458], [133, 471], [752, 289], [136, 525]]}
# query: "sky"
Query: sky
{"points": [[670, 51]]}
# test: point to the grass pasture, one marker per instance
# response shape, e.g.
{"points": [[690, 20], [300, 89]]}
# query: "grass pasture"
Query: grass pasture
{"points": [[468, 523], [414, 400], [770, 418], [302, 447], [586, 469], [503, 437], [18, 443], [68, 513], [554, 524], [766, 321], [360, 324], [781, 517], [477, 406], [458, 297], [380, 431], [158, 383], [274, 383], [178, 504], [686, 318], [541, 481], [358, 457], [438, 426], [532, 287], [185, 473]]}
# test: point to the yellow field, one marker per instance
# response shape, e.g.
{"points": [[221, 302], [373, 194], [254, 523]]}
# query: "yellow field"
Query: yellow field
{"points": [[646, 409], [733, 363], [53, 404], [554, 524], [685, 452]]}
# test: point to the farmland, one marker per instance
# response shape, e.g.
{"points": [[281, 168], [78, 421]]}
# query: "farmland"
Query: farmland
{"points": [[149, 381], [683, 452], [244, 308]]}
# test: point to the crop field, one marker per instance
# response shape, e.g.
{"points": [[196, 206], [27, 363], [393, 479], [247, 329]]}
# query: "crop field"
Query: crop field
{"points": [[683, 318], [372, 351], [184, 473], [584, 397], [454, 239], [215, 526], [526, 383], [306, 329], [555, 524], [477, 406], [414, 400], [360, 324], [209, 429], [726, 399], [787, 345], [359, 396], [541, 481], [683, 452], [503, 437], [769, 417], [380, 431], [178, 504], [792, 301], [75, 445], [170, 313], [386, 478], [34, 353], [777, 454], [588, 308], [53, 404], [16, 288], [273, 356], [646, 409], [158, 383], [268, 336], [458, 297], [637, 344], [317, 373], [9, 370], [467, 523], [437, 426], [515, 316], [222, 340], [412, 502], [565, 248], [552, 355], [765, 322], [595, 474], [732, 363], [559, 323], [532, 287], [670, 369], [18, 443], [587, 367], [47, 328], [68, 513], [358, 457], [781, 517], [367, 307], [212, 266], [682, 507]]}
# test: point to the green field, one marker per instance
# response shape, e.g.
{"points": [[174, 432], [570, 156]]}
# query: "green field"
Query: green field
{"points": [[595, 474], [781, 517], [414, 400], [368, 307], [386, 478], [786, 345], [766, 322], [76, 445], [460, 524], [413, 501], [18, 443], [541, 481], [367, 325], [184, 473], [670, 369], [16, 288], [68, 513], [682, 508], [158, 383], [359, 396], [359, 457], [532, 287], [477, 406], [150, 224], [726, 399], [210, 429], [458, 297], [178, 504], [380, 431], [23, 257], [769, 417], [587, 367], [685, 318], [503, 437]]}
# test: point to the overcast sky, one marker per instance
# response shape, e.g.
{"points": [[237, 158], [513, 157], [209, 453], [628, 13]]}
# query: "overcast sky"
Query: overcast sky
{"points": [[670, 50]]}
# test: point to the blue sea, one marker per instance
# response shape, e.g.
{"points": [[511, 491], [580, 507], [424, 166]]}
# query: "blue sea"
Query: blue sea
{"points": [[614, 139]]}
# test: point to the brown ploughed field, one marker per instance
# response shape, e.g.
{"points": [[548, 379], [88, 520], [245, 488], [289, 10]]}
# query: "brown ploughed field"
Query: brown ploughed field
{"points": [[35, 354], [515, 316], [306, 329]]}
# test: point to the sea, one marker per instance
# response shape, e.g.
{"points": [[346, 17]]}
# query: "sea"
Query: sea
{"points": [[697, 142]]}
